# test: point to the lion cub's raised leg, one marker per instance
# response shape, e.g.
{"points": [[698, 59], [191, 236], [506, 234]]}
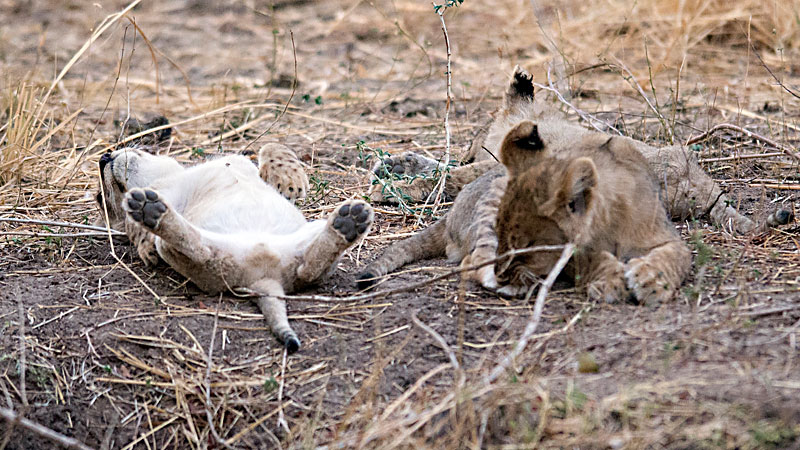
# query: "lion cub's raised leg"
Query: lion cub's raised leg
{"points": [[346, 224], [420, 179], [279, 167]]}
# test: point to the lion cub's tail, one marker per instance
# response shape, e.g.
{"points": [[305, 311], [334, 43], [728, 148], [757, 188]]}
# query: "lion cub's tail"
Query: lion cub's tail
{"points": [[430, 243]]}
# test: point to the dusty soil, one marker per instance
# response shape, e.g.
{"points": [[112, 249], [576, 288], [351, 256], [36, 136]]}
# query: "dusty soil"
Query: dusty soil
{"points": [[115, 354]]}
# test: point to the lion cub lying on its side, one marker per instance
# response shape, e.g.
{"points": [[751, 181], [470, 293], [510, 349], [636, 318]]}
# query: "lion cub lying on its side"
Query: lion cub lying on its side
{"points": [[600, 194], [560, 182], [597, 192], [223, 227]]}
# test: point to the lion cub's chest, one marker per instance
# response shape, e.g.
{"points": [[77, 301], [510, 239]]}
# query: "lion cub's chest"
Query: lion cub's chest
{"points": [[228, 196]]}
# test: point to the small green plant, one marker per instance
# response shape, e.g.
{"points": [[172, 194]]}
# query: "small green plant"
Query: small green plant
{"points": [[198, 152], [319, 187], [270, 384], [773, 435]]}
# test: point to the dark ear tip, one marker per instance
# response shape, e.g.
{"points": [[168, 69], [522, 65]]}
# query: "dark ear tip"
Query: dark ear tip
{"points": [[365, 280], [526, 135], [522, 83]]}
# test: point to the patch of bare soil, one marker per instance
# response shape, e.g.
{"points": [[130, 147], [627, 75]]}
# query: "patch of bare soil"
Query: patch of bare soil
{"points": [[95, 346]]}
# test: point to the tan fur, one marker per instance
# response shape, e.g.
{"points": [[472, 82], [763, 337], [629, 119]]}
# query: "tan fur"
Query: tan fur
{"points": [[220, 225], [599, 193], [688, 191], [560, 183], [281, 169]]}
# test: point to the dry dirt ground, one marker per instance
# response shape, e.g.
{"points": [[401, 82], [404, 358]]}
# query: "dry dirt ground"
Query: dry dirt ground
{"points": [[96, 347]]}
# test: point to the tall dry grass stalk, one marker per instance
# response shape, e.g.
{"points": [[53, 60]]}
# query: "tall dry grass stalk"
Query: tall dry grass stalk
{"points": [[21, 128]]}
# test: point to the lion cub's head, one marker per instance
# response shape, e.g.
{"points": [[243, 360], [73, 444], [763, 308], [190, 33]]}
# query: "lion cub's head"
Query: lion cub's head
{"points": [[548, 201], [124, 169]]}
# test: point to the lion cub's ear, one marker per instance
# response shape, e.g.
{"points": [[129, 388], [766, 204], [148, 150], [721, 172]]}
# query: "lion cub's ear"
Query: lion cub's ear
{"points": [[578, 185], [520, 88], [520, 147]]}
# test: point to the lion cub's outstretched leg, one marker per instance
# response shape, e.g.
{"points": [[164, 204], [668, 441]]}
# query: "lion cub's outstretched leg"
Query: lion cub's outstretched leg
{"points": [[205, 261], [274, 311], [279, 167], [346, 224], [149, 210]]}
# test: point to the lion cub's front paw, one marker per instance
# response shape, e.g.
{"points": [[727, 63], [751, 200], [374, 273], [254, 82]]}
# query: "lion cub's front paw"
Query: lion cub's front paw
{"points": [[648, 283], [280, 168], [144, 206], [352, 219], [609, 285]]}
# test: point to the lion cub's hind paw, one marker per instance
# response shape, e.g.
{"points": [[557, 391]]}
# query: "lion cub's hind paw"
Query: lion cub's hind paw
{"points": [[648, 283], [352, 219], [408, 163], [280, 168], [144, 206]]}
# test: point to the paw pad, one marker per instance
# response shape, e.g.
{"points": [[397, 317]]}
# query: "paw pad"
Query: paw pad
{"points": [[352, 220], [145, 206]]}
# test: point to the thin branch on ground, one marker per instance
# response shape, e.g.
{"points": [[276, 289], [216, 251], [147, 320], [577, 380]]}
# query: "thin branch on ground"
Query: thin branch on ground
{"points": [[409, 287], [281, 419], [65, 441], [209, 406], [22, 353], [771, 73], [439, 188], [631, 79], [530, 328], [51, 223], [583, 114], [288, 102], [750, 134], [443, 345]]}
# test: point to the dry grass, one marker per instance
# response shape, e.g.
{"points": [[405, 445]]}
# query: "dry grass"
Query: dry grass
{"points": [[122, 357]]}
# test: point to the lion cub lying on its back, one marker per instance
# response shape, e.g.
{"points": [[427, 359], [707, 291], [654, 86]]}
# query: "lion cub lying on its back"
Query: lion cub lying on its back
{"points": [[223, 227]]}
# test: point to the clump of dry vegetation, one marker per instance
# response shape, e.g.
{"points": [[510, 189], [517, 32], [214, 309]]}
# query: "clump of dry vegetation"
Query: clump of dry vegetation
{"points": [[98, 349]]}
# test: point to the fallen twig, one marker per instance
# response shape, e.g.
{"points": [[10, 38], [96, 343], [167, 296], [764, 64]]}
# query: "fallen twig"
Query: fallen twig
{"points": [[443, 344], [42, 430], [408, 287], [544, 288], [51, 223], [209, 405]]}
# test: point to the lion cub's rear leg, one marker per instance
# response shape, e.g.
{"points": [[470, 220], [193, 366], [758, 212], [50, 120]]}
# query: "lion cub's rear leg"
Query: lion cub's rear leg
{"points": [[203, 261], [274, 311], [346, 224], [279, 167], [418, 188]]}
